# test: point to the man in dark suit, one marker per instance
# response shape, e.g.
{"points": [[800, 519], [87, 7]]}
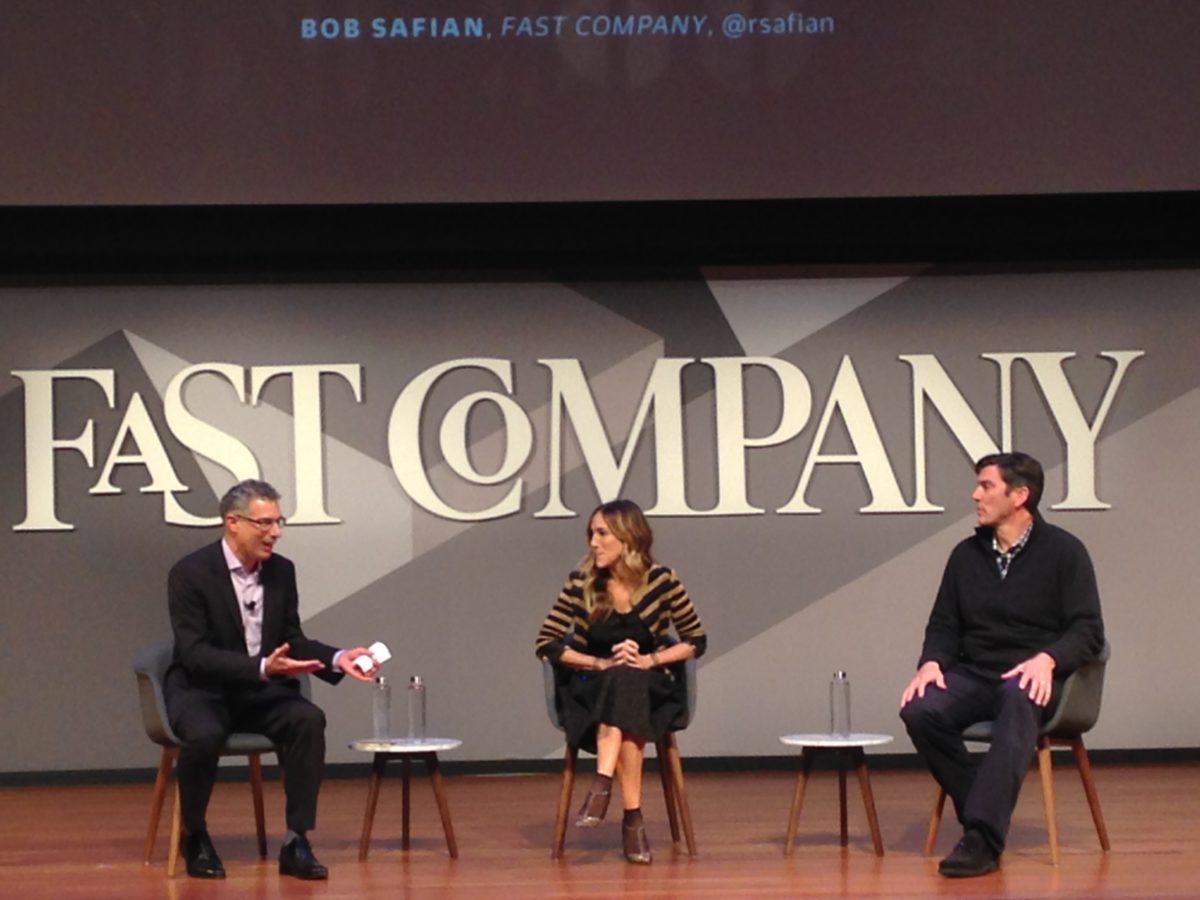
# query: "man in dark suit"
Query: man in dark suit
{"points": [[238, 649]]}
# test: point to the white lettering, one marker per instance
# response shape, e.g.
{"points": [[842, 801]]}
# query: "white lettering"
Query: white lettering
{"points": [[306, 430], [1079, 436], [569, 391], [203, 438], [732, 440], [40, 442], [138, 427], [930, 382], [404, 440], [847, 397]]}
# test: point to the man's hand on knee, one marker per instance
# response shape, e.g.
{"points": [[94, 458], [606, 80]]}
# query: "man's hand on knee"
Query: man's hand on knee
{"points": [[1037, 677], [929, 673]]}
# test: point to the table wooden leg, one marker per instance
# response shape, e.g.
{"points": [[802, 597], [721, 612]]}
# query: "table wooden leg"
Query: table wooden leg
{"points": [[841, 765], [806, 763], [864, 782], [439, 794], [377, 766], [406, 768]]}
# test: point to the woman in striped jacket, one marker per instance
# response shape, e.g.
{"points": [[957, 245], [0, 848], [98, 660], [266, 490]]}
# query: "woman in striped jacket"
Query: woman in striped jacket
{"points": [[609, 631]]}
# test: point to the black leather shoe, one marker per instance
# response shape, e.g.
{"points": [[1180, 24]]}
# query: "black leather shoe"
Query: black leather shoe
{"points": [[296, 859], [970, 857], [201, 856]]}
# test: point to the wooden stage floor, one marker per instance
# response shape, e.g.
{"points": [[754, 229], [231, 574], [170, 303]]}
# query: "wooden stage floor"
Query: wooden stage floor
{"points": [[86, 842]]}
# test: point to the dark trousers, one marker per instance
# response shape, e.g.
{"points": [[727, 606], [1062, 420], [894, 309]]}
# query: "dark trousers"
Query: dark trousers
{"points": [[203, 719], [984, 790]]}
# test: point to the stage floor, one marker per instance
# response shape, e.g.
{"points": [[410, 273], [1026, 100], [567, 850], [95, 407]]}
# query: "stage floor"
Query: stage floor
{"points": [[86, 842]]}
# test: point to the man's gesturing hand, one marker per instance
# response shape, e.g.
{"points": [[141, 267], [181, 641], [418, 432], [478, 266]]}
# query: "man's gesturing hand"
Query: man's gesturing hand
{"points": [[279, 663], [349, 657]]}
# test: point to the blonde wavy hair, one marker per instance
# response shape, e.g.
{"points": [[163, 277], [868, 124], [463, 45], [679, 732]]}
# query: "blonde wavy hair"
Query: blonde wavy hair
{"points": [[628, 524]]}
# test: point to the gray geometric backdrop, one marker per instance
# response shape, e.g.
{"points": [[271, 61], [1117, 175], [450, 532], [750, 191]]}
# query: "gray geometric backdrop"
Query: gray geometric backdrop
{"points": [[786, 598]]}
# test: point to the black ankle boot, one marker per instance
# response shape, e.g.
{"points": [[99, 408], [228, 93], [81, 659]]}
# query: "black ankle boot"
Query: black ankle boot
{"points": [[595, 804], [633, 838]]}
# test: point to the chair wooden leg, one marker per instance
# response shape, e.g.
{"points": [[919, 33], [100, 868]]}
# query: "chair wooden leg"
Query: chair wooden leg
{"points": [[165, 760], [256, 791], [935, 822], [664, 771], [1089, 788], [1047, 777], [564, 802], [680, 791], [176, 830]]}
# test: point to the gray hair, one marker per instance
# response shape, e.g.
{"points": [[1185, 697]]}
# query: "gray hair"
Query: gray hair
{"points": [[239, 497]]}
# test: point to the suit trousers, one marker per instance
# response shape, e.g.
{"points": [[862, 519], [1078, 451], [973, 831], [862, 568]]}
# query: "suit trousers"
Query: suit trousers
{"points": [[204, 718], [984, 790]]}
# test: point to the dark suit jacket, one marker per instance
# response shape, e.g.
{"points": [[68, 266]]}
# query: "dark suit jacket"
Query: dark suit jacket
{"points": [[210, 642]]}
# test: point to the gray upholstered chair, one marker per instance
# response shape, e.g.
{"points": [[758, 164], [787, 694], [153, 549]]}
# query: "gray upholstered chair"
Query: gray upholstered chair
{"points": [[150, 667], [1077, 711], [670, 767]]}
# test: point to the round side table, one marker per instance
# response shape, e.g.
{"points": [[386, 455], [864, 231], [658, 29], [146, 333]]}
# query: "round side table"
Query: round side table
{"points": [[845, 747], [406, 750]]}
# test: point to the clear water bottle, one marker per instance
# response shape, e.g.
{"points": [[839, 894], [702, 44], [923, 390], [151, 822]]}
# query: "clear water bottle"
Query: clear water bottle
{"points": [[839, 705], [381, 709], [416, 708]]}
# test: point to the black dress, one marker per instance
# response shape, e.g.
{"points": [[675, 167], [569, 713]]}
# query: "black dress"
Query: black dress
{"points": [[643, 702]]}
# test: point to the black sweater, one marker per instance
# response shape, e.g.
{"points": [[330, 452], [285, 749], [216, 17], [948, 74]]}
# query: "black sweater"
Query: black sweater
{"points": [[1048, 602]]}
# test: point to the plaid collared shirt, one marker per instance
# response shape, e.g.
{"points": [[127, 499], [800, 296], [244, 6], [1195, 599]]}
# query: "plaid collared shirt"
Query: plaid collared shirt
{"points": [[1004, 558]]}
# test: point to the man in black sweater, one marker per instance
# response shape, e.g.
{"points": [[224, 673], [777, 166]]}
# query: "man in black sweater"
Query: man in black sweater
{"points": [[1016, 613]]}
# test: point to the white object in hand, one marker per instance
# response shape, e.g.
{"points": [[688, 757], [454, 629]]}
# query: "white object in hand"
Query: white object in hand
{"points": [[379, 655]]}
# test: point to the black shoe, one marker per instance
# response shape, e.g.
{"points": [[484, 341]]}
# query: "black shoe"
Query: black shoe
{"points": [[201, 856], [971, 856], [297, 859]]}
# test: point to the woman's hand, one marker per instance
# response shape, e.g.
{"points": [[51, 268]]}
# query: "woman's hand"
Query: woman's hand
{"points": [[626, 654]]}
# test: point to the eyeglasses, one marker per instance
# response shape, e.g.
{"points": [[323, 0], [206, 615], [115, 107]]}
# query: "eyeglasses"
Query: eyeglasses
{"points": [[264, 524]]}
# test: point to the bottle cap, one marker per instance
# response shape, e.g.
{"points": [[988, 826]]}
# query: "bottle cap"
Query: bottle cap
{"points": [[381, 681], [416, 682], [839, 675]]}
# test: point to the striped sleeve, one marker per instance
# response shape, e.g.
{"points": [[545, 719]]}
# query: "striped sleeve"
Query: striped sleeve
{"points": [[684, 616], [665, 604], [564, 623]]}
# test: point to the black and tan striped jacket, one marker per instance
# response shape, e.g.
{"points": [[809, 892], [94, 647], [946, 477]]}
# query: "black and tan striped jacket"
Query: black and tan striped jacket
{"points": [[661, 601]]}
